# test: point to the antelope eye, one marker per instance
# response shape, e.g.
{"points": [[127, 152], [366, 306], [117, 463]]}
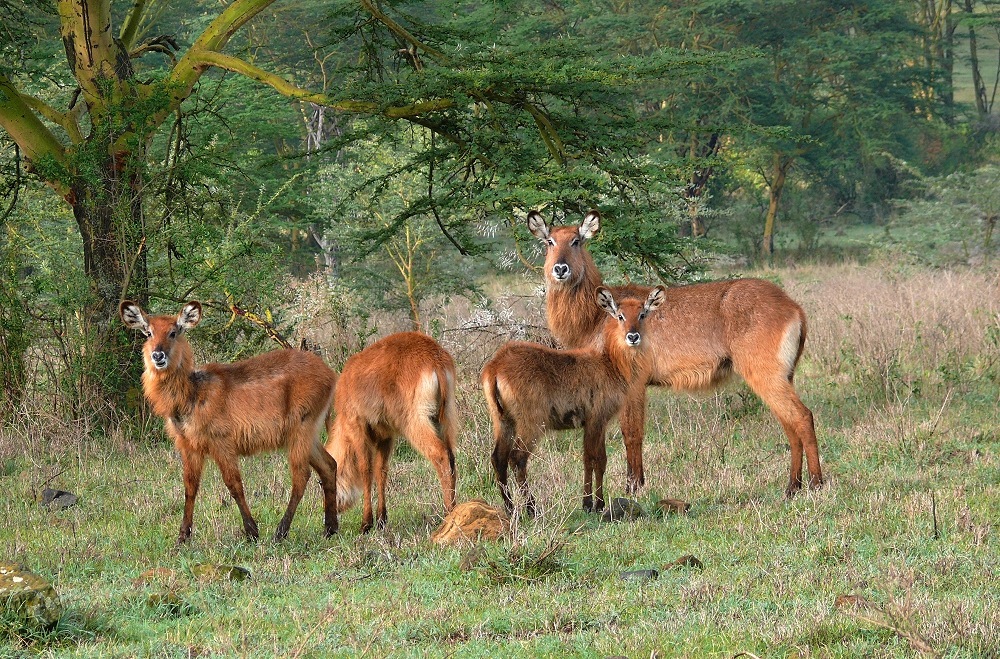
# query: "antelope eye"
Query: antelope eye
{"points": [[551, 242], [575, 243], [642, 315], [173, 334], [621, 318]]}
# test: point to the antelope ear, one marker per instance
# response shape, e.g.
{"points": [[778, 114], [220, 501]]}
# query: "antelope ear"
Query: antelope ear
{"points": [[606, 301], [656, 297], [591, 225], [189, 316], [133, 317], [537, 226]]}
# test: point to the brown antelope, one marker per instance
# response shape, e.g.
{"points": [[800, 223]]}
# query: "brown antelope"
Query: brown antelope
{"points": [[276, 400], [701, 335], [531, 388], [402, 385]]}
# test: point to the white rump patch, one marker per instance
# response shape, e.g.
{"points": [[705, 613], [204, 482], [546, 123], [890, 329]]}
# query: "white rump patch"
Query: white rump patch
{"points": [[788, 350], [347, 496], [426, 397]]}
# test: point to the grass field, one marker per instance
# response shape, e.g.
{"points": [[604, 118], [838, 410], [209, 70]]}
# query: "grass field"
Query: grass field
{"points": [[902, 372]]}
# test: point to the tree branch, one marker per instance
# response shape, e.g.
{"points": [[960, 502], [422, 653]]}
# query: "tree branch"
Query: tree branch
{"points": [[402, 33], [67, 120], [28, 131], [131, 25], [548, 133], [285, 88]]}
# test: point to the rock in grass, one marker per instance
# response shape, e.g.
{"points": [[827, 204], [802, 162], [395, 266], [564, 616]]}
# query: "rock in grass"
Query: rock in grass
{"points": [[170, 602], [622, 509], [670, 506], [472, 559], [471, 522], [640, 575], [688, 561], [58, 499], [29, 597], [213, 572]]}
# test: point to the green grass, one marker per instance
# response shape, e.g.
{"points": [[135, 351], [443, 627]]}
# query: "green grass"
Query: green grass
{"points": [[896, 445]]}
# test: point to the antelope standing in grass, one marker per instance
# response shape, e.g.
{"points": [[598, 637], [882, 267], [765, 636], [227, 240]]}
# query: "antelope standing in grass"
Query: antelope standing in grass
{"points": [[700, 337], [531, 388], [277, 400], [402, 385]]}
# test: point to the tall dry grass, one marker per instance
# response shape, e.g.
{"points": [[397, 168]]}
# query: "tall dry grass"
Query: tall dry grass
{"points": [[869, 323]]}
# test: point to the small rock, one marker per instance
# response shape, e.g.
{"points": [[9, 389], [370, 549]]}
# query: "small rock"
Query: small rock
{"points": [[622, 509], [58, 499], [170, 602], [640, 575], [471, 522], [28, 596], [687, 560], [213, 572], [471, 559], [669, 506]]}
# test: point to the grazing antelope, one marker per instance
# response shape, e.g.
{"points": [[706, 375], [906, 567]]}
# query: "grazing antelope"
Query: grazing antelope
{"points": [[402, 385], [701, 335], [531, 388], [276, 400]]}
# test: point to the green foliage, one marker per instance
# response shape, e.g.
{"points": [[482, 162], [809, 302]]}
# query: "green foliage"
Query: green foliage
{"points": [[953, 221]]}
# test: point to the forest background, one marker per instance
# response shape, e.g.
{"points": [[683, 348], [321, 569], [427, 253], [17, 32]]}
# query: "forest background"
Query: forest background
{"points": [[330, 171]]}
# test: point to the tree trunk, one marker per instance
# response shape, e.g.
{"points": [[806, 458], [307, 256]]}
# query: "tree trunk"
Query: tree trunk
{"points": [[109, 215], [978, 85], [777, 186]]}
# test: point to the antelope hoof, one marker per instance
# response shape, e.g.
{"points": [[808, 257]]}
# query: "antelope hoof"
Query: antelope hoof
{"points": [[253, 533], [792, 488], [816, 482]]}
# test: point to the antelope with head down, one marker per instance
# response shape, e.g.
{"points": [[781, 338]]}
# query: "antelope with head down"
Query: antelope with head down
{"points": [[531, 388], [400, 386], [280, 399], [701, 335]]}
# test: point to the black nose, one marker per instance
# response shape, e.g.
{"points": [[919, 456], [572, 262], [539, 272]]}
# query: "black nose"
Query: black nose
{"points": [[158, 356], [633, 338], [560, 271]]}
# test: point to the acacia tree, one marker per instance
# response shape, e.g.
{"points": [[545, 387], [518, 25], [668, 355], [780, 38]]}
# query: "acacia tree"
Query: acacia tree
{"points": [[833, 89], [513, 94]]}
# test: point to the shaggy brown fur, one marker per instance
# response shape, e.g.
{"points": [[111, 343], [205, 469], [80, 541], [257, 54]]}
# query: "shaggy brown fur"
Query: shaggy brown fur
{"points": [[701, 335], [531, 388], [276, 400], [402, 385]]}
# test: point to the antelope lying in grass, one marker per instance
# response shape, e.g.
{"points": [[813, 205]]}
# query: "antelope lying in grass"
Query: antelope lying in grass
{"points": [[276, 400], [531, 388], [701, 336], [402, 385]]}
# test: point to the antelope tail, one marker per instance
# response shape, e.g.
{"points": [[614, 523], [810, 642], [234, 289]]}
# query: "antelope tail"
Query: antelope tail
{"points": [[344, 450]]}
